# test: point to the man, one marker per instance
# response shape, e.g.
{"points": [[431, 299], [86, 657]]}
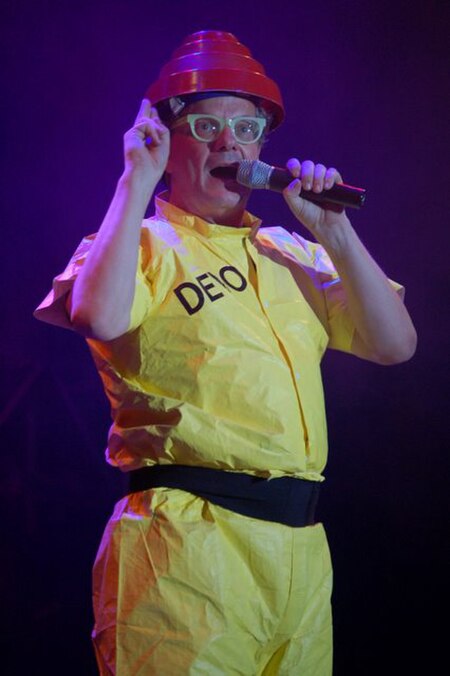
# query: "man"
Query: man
{"points": [[208, 332]]}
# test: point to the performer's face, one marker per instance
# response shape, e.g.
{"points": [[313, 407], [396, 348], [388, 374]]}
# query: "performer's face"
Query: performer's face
{"points": [[192, 186]]}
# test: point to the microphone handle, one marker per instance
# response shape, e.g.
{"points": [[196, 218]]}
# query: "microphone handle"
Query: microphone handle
{"points": [[335, 198]]}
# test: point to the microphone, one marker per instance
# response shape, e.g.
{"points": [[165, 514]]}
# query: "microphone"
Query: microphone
{"points": [[259, 175]]}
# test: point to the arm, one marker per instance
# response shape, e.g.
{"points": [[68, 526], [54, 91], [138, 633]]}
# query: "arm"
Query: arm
{"points": [[101, 300], [384, 330]]}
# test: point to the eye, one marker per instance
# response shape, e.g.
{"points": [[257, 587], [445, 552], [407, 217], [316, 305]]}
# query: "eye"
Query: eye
{"points": [[247, 125], [205, 126], [247, 128]]}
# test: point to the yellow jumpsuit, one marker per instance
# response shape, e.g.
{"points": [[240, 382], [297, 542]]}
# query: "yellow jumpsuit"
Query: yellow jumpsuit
{"points": [[220, 368]]}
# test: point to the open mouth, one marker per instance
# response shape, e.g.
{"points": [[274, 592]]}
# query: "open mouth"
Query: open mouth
{"points": [[225, 173]]}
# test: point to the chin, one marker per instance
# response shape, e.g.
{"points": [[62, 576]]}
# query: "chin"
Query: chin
{"points": [[223, 208]]}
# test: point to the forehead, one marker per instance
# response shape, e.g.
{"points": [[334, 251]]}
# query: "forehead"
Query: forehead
{"points": [[223, 106]]}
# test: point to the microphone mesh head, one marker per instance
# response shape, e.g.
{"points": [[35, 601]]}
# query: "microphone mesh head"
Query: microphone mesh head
{"points": [[253, 174]]}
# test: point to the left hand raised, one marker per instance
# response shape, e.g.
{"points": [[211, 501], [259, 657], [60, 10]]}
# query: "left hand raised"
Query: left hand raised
{"points": [[315, 177]]}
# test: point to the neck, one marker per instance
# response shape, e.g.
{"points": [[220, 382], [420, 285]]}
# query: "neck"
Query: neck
{"points": [[227, 216]]}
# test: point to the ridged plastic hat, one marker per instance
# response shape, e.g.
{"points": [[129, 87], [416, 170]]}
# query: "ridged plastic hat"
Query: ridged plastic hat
{"points": [[215, 61]]}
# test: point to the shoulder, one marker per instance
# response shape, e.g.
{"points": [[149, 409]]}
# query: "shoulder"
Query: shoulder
{"points": [[295, 247], [159, 232]]}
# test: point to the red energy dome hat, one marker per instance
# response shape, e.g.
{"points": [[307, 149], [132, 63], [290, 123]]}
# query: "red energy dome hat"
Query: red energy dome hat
{"points": [[214, 61]]}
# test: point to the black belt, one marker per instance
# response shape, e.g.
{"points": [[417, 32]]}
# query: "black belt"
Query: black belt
{"points": [[286, 499]]}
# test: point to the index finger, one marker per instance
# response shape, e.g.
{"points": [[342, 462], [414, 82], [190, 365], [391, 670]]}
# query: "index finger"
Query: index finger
{"points": [[294, 166], [144, 110]]}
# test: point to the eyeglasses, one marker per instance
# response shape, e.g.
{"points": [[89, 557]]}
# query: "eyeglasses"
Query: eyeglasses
{"points": [[207, 128]]}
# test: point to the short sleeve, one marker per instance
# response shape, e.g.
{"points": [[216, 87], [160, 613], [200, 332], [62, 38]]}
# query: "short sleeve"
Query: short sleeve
{"points": [[53, 308], [340, 326]]}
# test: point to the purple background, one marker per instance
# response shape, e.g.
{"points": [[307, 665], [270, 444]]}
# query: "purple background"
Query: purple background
{"points": [[366, 89]]}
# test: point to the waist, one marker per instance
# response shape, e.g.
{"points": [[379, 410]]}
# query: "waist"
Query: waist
{"points": [[287, 500]]}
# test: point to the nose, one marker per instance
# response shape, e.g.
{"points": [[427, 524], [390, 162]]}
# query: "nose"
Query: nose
{"points": [[226, 140]]}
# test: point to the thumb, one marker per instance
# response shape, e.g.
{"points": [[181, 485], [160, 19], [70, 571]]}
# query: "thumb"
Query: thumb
{"points": [[304, 211]]}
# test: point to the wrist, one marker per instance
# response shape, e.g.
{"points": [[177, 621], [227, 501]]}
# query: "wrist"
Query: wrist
{"points": [[338, 238], [138, 182]]}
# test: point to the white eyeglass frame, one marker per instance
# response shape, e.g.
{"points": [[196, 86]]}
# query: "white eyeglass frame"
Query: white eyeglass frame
{"points": [[231, 122]]}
